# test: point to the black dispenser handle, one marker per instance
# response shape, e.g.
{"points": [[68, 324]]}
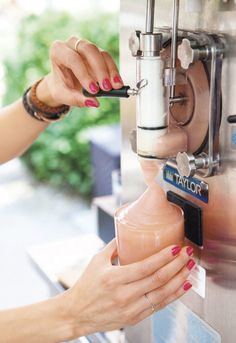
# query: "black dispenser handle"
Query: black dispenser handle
{"points": [[113, 93], [231, 119]]}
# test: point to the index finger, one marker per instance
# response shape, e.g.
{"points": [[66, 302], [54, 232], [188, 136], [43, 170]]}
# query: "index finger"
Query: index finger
{"points": [[62, 55], [95, 60], [139, 270]]}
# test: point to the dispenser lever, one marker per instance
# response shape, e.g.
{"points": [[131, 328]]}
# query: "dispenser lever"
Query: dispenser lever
{"points": [[123, 92], [231, 119]]}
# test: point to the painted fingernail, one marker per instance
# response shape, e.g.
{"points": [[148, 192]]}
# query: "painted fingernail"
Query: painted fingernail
{"points": [[189, 251], [190, 264], [187, 285], [117, 79], [175, 250], [106, 84], [93, 87], [90, 103]]}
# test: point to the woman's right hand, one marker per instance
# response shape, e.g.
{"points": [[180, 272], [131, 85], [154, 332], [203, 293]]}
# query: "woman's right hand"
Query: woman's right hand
{"points": [[76, 66], [109, 297]]}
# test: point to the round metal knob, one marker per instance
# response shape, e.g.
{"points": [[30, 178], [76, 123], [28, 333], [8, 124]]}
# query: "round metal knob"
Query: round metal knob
{"points": [[189, 52], [134, 43], [188, 164], [185, 164], [186, 54], [133, 140]]}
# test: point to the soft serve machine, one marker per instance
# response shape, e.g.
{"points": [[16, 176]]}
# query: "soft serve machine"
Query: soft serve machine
{"points": [[185, 66]]}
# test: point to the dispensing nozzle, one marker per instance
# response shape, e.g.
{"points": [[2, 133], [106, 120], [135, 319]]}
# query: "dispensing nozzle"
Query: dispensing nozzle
{"points": [[151, 102]]}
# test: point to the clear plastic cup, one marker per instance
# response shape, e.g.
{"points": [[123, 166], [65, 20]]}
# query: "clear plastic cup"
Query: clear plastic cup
{"points": [[135, 243]]}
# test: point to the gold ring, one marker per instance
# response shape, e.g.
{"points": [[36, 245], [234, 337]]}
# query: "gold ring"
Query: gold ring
{"points": [[150, 303], [76, 44]]}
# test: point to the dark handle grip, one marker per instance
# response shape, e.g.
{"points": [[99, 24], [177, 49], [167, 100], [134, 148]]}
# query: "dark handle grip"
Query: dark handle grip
{"points": [[114, 93], [232, 119]]}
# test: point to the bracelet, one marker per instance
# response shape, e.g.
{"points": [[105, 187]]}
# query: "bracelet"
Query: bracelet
{"points": [[41, 111]]}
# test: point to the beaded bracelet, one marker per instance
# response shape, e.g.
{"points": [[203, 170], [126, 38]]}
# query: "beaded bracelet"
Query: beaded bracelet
{"points": [[40, 111]]}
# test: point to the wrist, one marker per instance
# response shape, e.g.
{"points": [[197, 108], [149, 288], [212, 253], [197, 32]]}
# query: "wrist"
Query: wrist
{"points": [[74, 309], [44, 95], [64, 322]]}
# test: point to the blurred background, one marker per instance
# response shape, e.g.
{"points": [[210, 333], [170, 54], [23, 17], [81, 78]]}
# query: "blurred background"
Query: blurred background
{"points": [[47, 194]]}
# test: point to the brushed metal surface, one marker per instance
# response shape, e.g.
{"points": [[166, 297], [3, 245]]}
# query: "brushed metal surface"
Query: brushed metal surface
{"points": [[218, 256]]}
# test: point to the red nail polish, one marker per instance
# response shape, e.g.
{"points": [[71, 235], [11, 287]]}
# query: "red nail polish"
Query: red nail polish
{"points": [[93, 87], [117, 79], [106, 84], [189, 251], [190, 264], [187, 285], [175, 250], [90, 103]]}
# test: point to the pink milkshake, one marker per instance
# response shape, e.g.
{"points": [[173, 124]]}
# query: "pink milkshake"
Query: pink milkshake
{"points": [[149, 224]]}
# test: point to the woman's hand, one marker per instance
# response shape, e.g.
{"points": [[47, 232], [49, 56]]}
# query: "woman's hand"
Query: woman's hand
{"points": [[86, 67], [108, 297]]}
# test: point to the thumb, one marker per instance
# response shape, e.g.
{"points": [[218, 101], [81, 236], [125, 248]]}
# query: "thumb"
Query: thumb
{"points": [[110, 250], [71, 97]]}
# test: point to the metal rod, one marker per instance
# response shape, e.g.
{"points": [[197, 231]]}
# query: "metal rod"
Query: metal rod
{"points": [[178, 99], [213, 156], [211, 110], [175, 23], [150, 16]]}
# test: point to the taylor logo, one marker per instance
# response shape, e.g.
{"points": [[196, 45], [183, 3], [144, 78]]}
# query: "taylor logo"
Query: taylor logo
{"points": [[169, 176], [190, 185]]}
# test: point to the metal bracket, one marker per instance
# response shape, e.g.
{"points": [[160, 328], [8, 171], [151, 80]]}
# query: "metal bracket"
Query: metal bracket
{"points": [[210, 161]]}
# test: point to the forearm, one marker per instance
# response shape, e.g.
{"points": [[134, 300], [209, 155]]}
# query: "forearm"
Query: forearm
{"points": [[18, 130], [46, 322]]}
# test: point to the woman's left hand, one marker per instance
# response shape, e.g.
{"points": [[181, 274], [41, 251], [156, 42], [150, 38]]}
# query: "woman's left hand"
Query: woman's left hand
{"points": [[76, 65], [108, 297]]}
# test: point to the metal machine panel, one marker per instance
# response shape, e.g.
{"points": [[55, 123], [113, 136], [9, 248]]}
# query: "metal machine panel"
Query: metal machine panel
{"points": [[177, 323], [218, 255]]}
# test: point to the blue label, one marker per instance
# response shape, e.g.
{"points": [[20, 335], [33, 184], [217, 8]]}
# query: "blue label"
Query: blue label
{"points": [[233, 137], [190, 185]]}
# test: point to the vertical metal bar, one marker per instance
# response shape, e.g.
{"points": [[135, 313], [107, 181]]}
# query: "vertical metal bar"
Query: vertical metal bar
{"points": [[211, 111], [150, 12], [175, 23]]}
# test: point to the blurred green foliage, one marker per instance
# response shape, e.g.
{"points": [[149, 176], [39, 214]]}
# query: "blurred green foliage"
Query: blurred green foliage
{"points": [[60, 156]]}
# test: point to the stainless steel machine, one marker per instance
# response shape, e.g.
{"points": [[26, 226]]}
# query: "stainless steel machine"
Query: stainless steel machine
{"points": [[189, 46]]}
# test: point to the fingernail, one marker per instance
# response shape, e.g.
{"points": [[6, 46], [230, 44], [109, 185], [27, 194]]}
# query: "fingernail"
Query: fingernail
{"points": [[189, 251], [117, 79], [90, 103], [106, 84], [187, 285], [190, 264], [175, 250], [93, 87]]}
